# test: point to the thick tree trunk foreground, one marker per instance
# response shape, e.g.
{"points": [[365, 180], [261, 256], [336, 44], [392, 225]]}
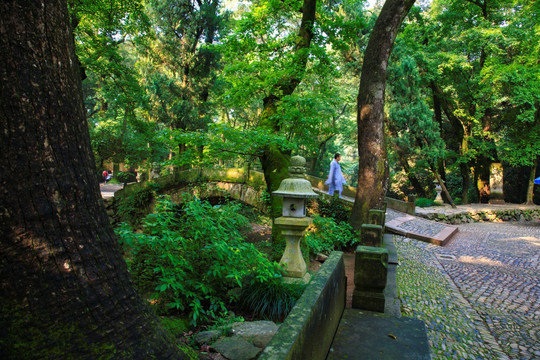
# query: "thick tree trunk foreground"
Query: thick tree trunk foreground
{"points": [[373, 163], [65, 291]]}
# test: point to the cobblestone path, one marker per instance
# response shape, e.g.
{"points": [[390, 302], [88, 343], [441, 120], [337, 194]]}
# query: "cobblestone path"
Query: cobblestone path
{"points": [[480, 294]]}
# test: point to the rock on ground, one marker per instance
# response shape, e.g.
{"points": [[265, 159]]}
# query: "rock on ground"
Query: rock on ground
{"points": [[236, 348]]}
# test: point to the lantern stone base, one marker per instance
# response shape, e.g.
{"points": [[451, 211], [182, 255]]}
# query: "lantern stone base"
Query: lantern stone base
{"points": [[297, 280], [293, 230]]}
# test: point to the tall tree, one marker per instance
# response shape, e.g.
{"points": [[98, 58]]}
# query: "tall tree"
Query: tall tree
{"points": [[373, 166], [512, 80], [105, 34], [64, 284], [268, 56], [274, 160], [180, 63]]}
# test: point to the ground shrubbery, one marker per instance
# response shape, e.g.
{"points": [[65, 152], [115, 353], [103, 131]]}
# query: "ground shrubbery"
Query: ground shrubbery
{"points": [[190, 258], [325, 235], [330, 229], [134, 206], [423, 202]]}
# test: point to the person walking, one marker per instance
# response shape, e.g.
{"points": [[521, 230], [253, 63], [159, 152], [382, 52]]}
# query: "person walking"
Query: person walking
{"points": [[335, 179]]}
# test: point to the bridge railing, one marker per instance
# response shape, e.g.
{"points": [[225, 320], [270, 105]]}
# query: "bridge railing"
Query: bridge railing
{"points": [[252, 178]]}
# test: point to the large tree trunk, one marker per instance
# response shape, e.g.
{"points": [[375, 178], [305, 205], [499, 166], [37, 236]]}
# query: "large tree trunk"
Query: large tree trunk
{"points": [[65, 290], [373, 163]]}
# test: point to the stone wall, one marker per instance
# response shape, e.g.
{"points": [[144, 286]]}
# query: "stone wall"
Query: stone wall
{"points": [[399, 205], [308, 330], [486, 215]]}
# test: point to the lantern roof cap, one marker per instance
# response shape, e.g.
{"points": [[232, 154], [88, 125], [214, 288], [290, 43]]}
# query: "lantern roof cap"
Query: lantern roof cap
{"points": [[296, 186]]}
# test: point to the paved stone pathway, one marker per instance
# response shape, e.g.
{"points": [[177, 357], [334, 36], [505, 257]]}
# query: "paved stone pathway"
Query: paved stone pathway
{"points": [[108, 190], [480, 294]]}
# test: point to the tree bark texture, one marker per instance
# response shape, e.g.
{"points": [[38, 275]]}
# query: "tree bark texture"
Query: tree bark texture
{"points": [[64, 286], [373, 162]]}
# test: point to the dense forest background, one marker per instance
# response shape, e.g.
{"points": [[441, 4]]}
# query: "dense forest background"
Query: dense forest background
{"points": [[230, 83]]}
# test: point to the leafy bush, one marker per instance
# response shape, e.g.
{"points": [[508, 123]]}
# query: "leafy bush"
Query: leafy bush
{"points": [[189, 256], [333, 208], [423, 202], [126, 177], [325, 235], [136, 204], [271, 300]]}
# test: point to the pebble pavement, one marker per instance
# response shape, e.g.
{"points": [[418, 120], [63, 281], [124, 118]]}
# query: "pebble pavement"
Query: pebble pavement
{"points": [[480, 294]]}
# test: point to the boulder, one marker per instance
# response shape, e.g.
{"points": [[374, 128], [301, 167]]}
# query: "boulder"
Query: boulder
{"points": [[236, 348], [206, 337], [258, 332]]}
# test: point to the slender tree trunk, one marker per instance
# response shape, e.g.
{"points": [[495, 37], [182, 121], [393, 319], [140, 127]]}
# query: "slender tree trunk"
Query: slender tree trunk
{"points": [[65, 290], [441, 169], [412, 178], [465, 183], [443, 187], [322, 151], [373, 163], [530, 188]]}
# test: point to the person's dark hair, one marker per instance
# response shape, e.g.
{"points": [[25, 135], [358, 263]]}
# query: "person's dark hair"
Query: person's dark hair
{"points": [[337, 155]]}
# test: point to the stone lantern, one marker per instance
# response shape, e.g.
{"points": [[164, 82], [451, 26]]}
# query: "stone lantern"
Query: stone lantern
{"points": [[438, 188], [294, 190]]}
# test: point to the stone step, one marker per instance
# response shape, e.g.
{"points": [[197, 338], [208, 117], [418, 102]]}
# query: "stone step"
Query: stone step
{"points": [[441, 237], [367, 335]]}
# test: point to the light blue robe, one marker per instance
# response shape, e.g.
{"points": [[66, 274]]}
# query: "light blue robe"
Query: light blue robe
{"points": [[335, 179]]}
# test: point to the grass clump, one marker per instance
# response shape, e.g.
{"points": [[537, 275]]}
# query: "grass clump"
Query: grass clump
{"points": [[271, 300]]}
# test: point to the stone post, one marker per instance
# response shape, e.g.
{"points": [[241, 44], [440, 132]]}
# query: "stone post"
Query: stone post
{"points": [[292, 230], [377, 217], [438, 199], [372, 235], [370, 273]]}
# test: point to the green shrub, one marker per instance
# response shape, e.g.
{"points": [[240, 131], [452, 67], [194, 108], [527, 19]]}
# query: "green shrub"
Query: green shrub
{"points": [[423, 202], [189, 256], [325, 235], [136, 204], [272, 299], [333, 208], [126, 177]]}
